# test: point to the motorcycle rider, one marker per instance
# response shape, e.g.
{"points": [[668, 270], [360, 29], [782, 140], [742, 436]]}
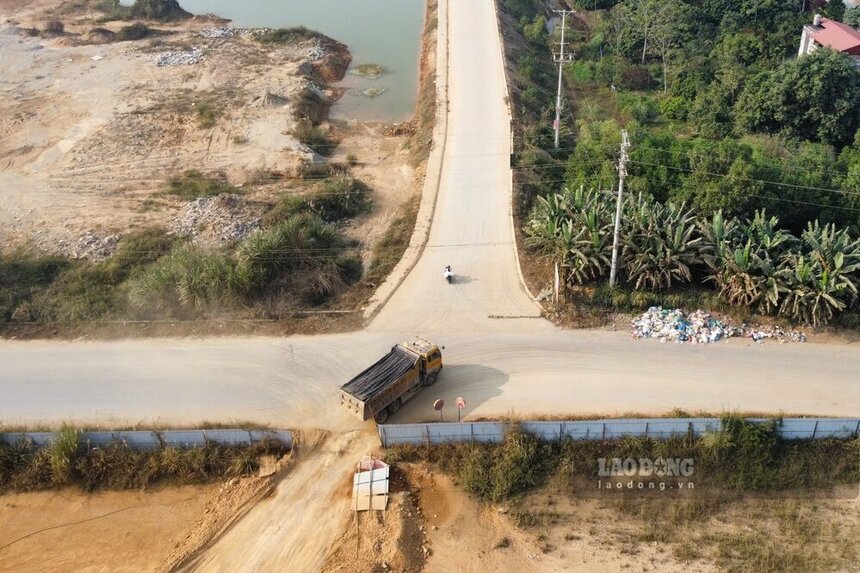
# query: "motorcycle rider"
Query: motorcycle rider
{"points": [[448, 273]]}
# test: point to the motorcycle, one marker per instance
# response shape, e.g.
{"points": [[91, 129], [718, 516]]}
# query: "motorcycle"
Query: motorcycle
{"points": [[448, 274]]}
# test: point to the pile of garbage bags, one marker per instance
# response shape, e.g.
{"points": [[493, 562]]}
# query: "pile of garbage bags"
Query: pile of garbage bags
{"points": [[699, 327]]}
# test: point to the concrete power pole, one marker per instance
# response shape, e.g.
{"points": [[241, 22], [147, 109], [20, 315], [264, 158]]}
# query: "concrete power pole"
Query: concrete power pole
{"points": [[561, 59], [622, 172]]}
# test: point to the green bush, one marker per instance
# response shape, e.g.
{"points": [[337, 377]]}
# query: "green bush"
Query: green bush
{"points": [[64, 451], [675, 108], [642, 109], [193, 184], [535, 31], [55, 27], [24, 274], [188, 281], [136, 31], [339, 197], [582, 72], [286, 35]]}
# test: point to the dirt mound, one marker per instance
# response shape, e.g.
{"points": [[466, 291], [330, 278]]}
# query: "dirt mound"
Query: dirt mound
{"points": [[382, 540]]}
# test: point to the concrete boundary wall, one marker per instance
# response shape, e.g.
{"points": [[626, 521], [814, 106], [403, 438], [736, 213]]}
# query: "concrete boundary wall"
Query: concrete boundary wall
{"points": [[154, 440], [657, 428]]}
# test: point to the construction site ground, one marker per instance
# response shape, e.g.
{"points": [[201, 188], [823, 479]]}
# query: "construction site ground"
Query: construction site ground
{"points": [[91, 130]]}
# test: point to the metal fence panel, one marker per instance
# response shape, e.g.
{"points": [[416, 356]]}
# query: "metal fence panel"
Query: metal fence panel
{"points": [[38, 439], [657, 428], [183, 438], [151, 440], [137, 440]]}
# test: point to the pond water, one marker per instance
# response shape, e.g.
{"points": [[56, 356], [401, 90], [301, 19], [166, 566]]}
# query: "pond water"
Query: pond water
{"points": [[384, 32]]}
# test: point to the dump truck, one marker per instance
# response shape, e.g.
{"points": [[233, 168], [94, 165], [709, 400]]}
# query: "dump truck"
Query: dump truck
{"points": [[380, 390]]}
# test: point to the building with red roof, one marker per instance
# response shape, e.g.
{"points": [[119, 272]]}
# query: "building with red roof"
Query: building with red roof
{"points": [[829, 33]]}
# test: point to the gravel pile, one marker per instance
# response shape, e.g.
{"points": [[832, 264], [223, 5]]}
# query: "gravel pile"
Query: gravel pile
{"points": [[184, 58], [93, 247], [699, 327], [222, 32], [217, 219]]}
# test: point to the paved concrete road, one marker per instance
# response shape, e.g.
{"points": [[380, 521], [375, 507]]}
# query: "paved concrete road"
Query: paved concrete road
{"points": [[522, 365]]}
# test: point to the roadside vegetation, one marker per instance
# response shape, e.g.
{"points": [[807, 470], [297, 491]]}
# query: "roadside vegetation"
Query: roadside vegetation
{"points": [[160, 10], [70, 462], [760, 503], [741, 167], [299, 260], [193, 184], [741, 457]]}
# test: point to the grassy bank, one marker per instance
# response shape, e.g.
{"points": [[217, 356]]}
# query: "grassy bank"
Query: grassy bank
{"points": [[68, 461], [742, 457], [299, 261]]}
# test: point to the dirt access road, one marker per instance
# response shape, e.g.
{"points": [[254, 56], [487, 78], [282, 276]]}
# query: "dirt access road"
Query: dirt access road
{"points": [[500, 365]]}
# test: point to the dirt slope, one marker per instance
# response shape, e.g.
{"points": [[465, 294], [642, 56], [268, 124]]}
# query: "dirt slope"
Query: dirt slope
{"points": [[294, 528]]}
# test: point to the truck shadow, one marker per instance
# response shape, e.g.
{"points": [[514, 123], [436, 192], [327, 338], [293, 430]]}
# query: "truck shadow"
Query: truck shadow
{"points": [[475, 383]]}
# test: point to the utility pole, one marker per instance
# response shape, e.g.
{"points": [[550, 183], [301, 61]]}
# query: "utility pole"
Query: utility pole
{"points": [[561, 59], [622, 171]]}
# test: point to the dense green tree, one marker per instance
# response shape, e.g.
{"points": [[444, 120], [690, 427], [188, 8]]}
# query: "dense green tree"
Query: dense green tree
{"points": [[835, 10], [852, 16], [815, 97]]}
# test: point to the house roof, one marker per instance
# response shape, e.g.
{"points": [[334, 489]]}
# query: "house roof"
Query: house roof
{"points": [[841, 37]]}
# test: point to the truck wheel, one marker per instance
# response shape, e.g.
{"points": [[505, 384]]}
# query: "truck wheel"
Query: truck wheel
{"points": [[394, 407], [431, 379], [381, 416]]}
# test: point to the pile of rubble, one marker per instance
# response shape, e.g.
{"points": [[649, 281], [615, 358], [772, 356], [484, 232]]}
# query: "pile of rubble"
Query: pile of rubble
{"points": [[217, 219], [183, 58], [699, 327], [93, 247], [221, 32]]}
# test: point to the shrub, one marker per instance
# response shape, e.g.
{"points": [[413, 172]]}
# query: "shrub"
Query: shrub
{"points": [[206, 114], [535, 31], [675, 108], [64, 451], [286, 35], [193, 184], [136, 31], [339, 197], [187, 282], [318, 139], [582, 72], [642, 109], [55, 27]]}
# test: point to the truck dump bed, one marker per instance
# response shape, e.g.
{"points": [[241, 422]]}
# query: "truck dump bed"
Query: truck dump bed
{"points": [[385, 372]]}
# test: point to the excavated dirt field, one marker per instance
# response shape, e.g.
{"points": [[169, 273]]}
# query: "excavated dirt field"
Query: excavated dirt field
{"points": [[110, 531], [90, 130]]}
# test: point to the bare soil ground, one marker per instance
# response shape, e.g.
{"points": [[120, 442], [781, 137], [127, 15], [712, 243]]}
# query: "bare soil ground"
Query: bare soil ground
{"points": [[90, 132], [108, 531]]}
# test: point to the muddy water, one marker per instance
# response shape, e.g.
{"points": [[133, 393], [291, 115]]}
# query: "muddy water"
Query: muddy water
{"points": [[385, 32]]}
